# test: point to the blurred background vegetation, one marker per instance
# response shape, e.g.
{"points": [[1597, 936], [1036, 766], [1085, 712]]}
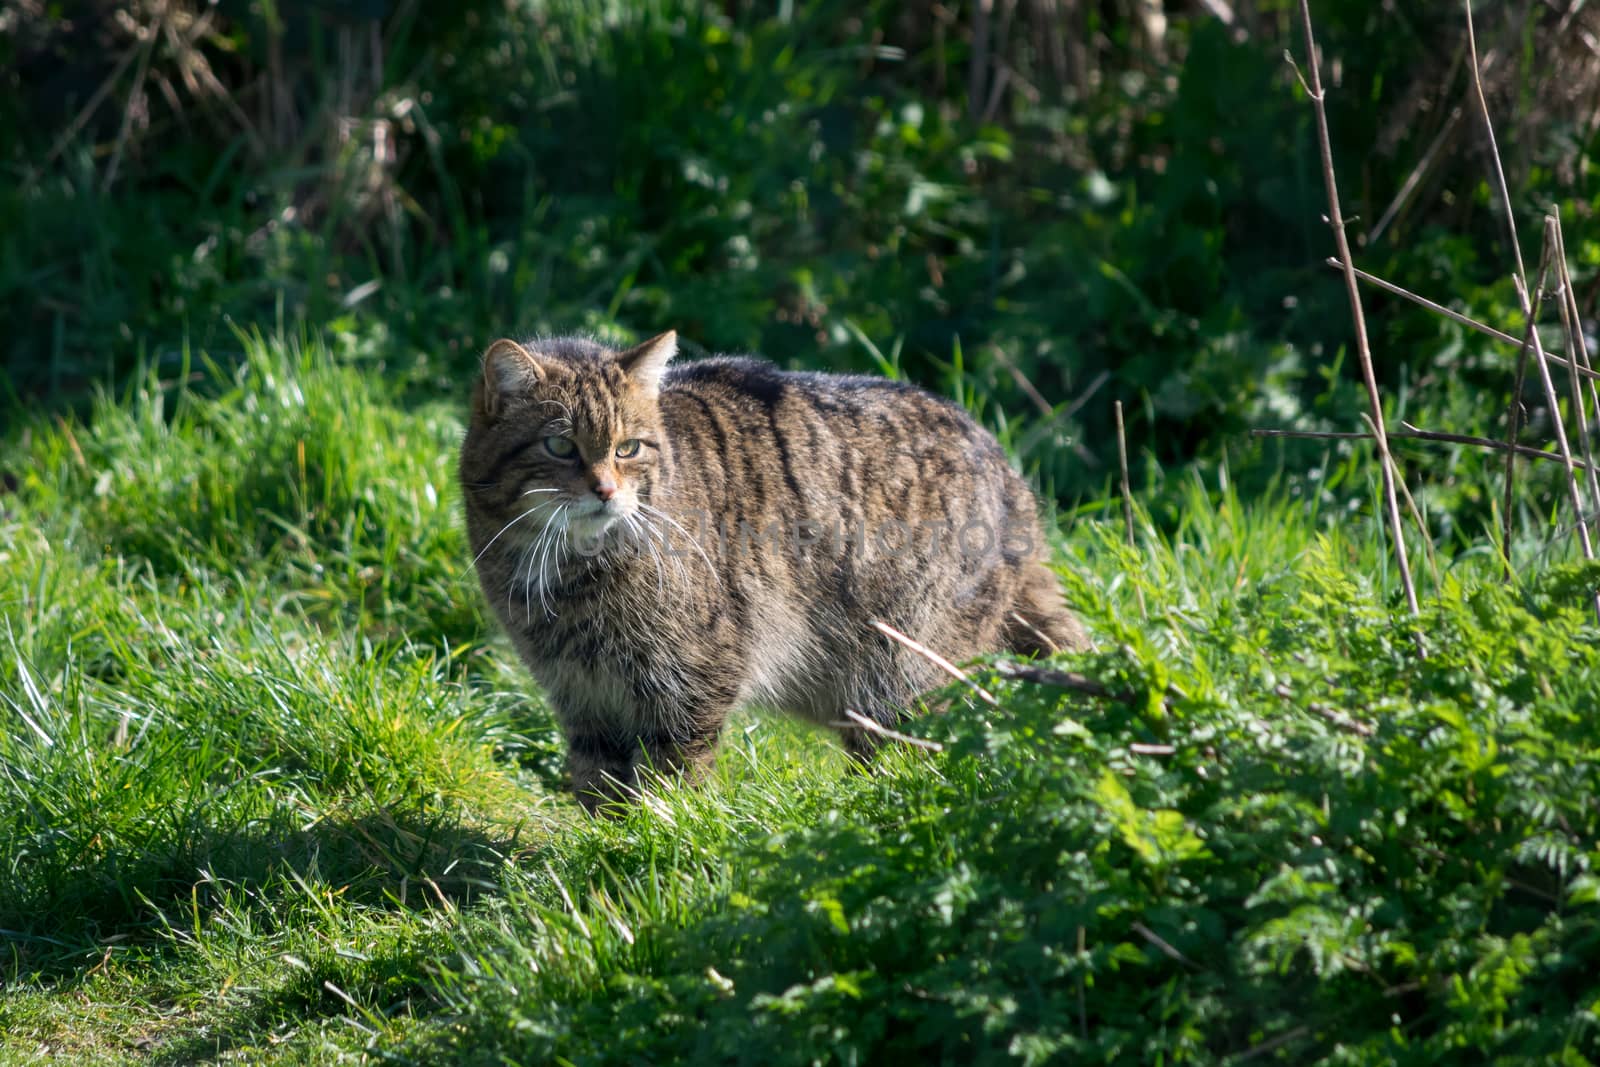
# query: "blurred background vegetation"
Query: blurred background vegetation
{"points": [[1049, 204]]}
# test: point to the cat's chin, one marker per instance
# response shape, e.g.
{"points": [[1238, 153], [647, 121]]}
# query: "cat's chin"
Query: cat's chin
{"points": [[592, 528]]}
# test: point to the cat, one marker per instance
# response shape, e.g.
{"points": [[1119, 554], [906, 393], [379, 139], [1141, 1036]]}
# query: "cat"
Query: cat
{"points": [[664, 543]]}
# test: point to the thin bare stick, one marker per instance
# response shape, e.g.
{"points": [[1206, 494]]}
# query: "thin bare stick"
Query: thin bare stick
{"points": [[1028, 388], [1127, 496], [1088, 391], [1161, 943], [1438, 309], [1287, 1038], [1341, 720], [1550, 396], [937, 660], [87, 111], [1514, 417], [1083, 1010], [1456, 316], [1413, 434], [858, 720], [1416, 517], [1584, 368], [1414, 179], [1391, 500], [135, 103], [1577, 354], [1338, 718], [1494, 147], [1122, 465], [978, 70], [1036, 633]]}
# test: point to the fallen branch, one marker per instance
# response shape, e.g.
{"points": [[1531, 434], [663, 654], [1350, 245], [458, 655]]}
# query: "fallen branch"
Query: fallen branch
{"points": [[1077, 683], [1059, 679], [1338, 718]]}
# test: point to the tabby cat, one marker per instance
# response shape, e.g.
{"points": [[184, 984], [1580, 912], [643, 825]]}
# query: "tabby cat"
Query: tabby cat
{"points": [[664, 544]]}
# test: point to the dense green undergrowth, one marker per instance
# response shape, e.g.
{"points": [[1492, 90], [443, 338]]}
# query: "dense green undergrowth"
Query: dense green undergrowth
{"points": [[792, 180], [270, 788]]}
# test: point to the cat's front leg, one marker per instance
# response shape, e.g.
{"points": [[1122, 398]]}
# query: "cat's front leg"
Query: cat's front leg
{"points": [[605, 771], [602, 768], [688, 756]]}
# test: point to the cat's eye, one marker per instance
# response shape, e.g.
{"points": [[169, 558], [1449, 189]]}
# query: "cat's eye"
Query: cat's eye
{"points": [[560, 447], [628, 448]]}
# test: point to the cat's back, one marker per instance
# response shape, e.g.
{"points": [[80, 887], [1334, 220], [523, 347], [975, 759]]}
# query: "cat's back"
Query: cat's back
{"points": [[728, 403], [842, 501]]}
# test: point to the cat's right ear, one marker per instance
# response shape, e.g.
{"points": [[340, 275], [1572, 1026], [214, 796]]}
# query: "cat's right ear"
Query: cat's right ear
{"points": [[508, 368]]}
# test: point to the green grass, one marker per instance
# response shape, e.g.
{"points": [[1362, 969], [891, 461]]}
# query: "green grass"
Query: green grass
{"points": [[271, 788]]}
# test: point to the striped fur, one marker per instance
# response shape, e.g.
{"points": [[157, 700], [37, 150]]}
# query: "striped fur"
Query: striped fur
{"points": [[764, 521]]}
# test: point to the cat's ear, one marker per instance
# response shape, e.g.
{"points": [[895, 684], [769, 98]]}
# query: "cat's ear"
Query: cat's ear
{"points": [[644, 364], [508, 368]]}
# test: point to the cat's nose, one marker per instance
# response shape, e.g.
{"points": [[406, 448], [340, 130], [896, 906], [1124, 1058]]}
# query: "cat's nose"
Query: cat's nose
{"points": [[605, 489]]}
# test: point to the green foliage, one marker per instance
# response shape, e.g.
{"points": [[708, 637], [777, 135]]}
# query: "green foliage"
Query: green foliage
{"points": [[810, 184], [1328, 848]]}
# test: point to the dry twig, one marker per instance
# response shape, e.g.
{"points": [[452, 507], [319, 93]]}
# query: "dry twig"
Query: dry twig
{"points": [[1577, 354], [861, 721], [1456, 316], [1391, 501], [1412, 433], [1523, 294], [937, 660], [1127, 497], [1514, 417]]}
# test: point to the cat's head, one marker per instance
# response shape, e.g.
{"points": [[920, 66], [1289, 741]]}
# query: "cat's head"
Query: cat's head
{"points": [[566, 432]]}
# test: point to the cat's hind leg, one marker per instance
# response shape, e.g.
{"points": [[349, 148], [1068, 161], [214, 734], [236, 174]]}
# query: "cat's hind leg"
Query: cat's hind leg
{"points": [[1039, 623], [866, 714]]}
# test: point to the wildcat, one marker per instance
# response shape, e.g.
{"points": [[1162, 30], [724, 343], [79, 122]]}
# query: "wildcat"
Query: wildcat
{"points": [[665, 543]]}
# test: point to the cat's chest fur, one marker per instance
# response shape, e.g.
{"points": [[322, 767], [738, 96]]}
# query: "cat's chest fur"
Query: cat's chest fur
{"points": [[608, 640]]}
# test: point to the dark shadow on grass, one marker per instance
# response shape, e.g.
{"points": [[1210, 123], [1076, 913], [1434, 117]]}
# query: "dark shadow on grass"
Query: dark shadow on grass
{"points": [[388, 858], [388, 984]]}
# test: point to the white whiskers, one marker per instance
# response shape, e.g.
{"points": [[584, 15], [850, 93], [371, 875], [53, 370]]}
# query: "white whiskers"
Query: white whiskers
{"points": [[513, 522], [661, 516]]}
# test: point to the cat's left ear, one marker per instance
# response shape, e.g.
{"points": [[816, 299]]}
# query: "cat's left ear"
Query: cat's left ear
{"points": [[508, 369], [644, 364]]}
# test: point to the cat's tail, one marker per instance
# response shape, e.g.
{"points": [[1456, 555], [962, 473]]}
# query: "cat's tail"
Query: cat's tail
{"points": [[1039, 622]]}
